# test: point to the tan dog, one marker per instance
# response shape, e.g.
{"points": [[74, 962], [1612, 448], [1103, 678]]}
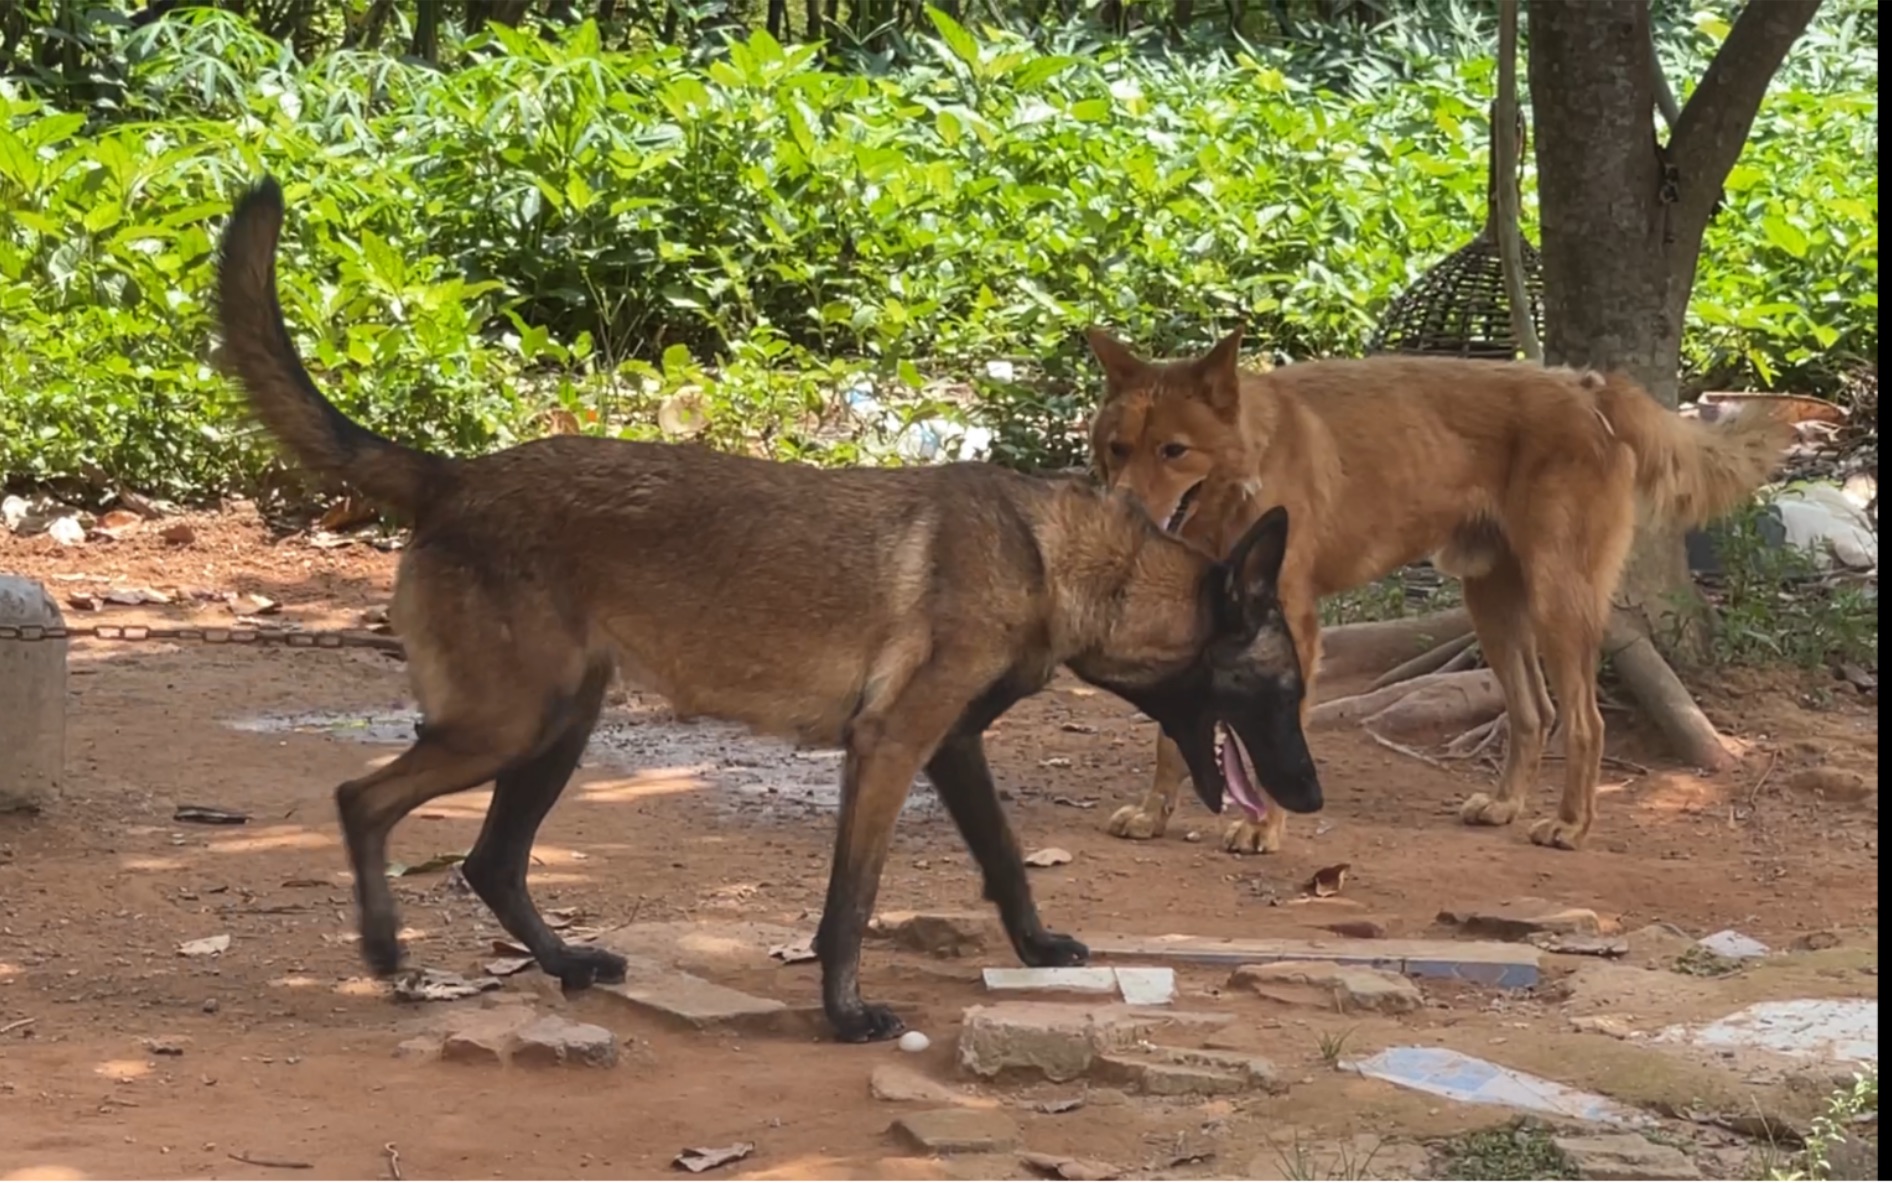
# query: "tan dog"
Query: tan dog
{"points": [[1522, 481], [892, 612]]}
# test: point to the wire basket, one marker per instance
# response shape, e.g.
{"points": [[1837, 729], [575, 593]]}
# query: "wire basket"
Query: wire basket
{"points": [[1459, 308]]}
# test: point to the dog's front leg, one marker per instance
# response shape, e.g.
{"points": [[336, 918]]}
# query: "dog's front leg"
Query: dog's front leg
{"points": [[1149, 818], [964, 782]]}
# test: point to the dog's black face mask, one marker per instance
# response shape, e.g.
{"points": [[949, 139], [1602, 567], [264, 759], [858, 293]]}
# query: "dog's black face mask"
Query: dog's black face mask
{"points": [[1236, 712]]}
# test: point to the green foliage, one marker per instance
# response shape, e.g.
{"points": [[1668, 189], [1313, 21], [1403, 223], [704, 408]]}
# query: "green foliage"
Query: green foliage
{"points": [[1521, 1149], [1842, 1142], [1776, 605], [558, 225]]}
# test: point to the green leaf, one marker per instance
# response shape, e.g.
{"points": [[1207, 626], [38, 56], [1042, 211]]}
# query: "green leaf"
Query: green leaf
{"points": [[964, 47], [1785, 235]]}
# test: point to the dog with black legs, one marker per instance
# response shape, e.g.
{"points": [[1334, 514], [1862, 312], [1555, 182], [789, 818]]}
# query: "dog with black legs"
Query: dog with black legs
{"points": [[894, 613]]}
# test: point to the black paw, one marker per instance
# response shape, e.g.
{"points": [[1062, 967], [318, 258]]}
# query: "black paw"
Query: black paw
{"points": [[1053, 949], [867, 1023], [381, 949], [579, 967]]}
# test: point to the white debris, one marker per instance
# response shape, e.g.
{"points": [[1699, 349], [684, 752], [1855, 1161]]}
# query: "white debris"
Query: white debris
{"points": [[1446, 1073], [1733, 945], [1833, 1029], [915, 1041]]}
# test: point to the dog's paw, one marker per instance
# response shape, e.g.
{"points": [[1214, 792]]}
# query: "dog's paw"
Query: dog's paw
{"points": [[1052, 949], [1559, 834], [1482, 809], [381, 949], [579, 967], [868, 1022], [1247, 836], [1137, 823]]}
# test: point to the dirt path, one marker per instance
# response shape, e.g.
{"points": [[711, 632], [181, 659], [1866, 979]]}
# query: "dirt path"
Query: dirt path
{"points": [[287, 1049]]}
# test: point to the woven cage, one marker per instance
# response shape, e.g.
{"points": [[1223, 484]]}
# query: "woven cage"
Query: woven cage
{"points": [[1459, 308]]}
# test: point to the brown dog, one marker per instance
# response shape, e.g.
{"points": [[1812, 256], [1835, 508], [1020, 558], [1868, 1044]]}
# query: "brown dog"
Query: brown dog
{"points": [[1522, 481], [894, 613]]}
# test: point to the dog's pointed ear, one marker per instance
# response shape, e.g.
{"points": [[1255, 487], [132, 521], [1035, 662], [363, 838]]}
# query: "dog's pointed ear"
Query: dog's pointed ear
{"points": [[1220, 371], [1121, 367], [1254, 566]]}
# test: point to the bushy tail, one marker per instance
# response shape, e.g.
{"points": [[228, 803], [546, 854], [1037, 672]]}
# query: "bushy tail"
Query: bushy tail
{"points": [[1687, 470], [257, 348]]}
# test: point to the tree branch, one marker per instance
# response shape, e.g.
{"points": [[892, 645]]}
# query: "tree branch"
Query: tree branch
{"points": [[1714, 124]]}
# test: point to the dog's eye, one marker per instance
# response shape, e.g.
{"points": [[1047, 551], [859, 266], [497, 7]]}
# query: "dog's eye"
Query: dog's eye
{"points": [[1174, 451], [1119, 450]]}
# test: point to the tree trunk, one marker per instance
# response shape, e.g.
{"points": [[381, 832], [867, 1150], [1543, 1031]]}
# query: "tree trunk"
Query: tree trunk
{"points": [[1623, 215]]}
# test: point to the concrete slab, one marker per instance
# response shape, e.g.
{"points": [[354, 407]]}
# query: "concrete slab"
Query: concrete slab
{"points": [[1491, 963]]}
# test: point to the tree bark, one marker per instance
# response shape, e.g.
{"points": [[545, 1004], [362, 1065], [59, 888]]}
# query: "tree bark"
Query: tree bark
{"points": [[1623, 216]]}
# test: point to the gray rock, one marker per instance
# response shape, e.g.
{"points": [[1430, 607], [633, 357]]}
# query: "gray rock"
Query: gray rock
{"points": [[1156, 1078], [694, 1002], [1061, 1040], [1325, 983], [941, 934], [958, 1131], [551, 1041], [901, 1084], [1625, 1156]]}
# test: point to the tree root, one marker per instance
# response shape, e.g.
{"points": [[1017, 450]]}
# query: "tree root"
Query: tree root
{"points": [[1432, 661], [1644, 672], [1377, 646], [1474, 743]]}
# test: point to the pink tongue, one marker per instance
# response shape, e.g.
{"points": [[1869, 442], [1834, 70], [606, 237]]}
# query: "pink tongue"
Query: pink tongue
{"points": [[1239, 786]]}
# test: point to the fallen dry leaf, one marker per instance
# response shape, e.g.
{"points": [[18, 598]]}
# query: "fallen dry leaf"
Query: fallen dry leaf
{"points": [[1328, 880], [1057, 1166], [505, 967], [698, 1159], [118, 523], [205, 946], [1050, 856], [349, 511], [795, 952], [86, 603]]}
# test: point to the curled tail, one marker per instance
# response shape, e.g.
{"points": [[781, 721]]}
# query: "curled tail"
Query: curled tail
{"points": [[257, 348], [1688, 470]]}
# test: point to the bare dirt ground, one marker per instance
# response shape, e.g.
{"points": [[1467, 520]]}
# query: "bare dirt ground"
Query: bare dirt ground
{"points": [[287, 1048]]}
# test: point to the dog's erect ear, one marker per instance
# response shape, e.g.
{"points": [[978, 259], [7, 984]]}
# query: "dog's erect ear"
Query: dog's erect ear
{"points": [[1220, 371], [1121, 367], [1254, 566]]}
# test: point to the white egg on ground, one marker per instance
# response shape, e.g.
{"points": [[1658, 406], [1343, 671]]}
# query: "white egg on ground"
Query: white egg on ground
{"points": [[914, 1041]]}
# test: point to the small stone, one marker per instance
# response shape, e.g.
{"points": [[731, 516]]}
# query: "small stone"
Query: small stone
{"points": [[485, 1037], [1813, 942], [903, 1085], [1360, 930], [1614, 1026], [1060, 1167], [1323, 983], [167, 1045], [210, 1006], [1517, 919], [1834, 784], [958, 1131], [1625, 1156], [1732, 945], [1050, 856], [421, 1047], [550, 1041], [941, 934]]}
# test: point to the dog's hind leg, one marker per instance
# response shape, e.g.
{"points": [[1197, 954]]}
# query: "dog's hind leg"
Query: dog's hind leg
{"points": [[522, 796], [1501, 615], [963, 780], [443, 760]]}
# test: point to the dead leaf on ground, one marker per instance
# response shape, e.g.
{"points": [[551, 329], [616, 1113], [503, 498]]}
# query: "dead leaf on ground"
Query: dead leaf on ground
{"points": [[439, 862], [438, 985], [206, 815], [505, 967], [86, 603], [252, 604], [349, 511], [1057, 1166], [1050, 856], [118, 523], [698, 1159], [1328, 880], [794, 952], [204, 946]]}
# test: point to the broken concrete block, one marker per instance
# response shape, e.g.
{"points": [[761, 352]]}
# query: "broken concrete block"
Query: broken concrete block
{"points": [[487, 1038], [695, 1002], [1517, 919], [1732, 945], [1255, 1072], [1061, 1040], [551, 1041], [941, 934], [958, 1131], [1147, 985], [1157, 1078], [901, 1084], [1502, 964], [1657, 944], [1058, 1166], [1345, 988], [1081, 979], [1625, 1156]]}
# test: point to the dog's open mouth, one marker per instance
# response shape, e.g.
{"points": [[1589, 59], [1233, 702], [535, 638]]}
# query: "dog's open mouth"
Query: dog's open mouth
{"points": [[1238, 771], [1183, 508]]}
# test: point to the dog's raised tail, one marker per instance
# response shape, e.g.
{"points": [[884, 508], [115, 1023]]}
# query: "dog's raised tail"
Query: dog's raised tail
{"points": [[1688, 470], [257, 349]]}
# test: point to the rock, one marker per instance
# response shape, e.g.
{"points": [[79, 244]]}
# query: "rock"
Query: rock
{"points": [[1177, 1072], [901, 1084], [421, 1047], [551, 1041], [1323, 983], [1061, 1040], [958, 1131], [1732, 945], [1852, 1156], [1614, 1026], [694, 1002], [1517, 919], [941, 934], [1813, 942], [478, 1044], [66, 531], [1058, 1166], [1657, 944], [167, 1045], [1625, 1156], [1834, 784], [1359, 930]]}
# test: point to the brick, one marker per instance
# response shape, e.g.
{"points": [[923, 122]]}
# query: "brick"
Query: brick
{"points": [[958, 1131], [1345, 988]]}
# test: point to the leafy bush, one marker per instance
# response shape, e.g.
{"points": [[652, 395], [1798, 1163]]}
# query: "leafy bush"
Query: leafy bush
{"points": [[557, 226]]}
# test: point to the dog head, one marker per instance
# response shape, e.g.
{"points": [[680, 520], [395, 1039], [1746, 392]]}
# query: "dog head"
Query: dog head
{"points": [[1163, 427], [1233, 705]]}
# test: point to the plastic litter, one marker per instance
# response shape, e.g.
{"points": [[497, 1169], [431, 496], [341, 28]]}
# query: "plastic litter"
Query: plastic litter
{"points": [[1450, 1074]]}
